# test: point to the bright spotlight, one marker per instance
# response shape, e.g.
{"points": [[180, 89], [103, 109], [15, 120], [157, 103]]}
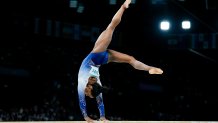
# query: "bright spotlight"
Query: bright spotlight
{"points": [[165, 25], [186, 24]]}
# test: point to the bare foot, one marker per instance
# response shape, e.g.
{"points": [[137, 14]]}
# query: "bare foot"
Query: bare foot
{"points": [[126, 3], [155, 70]]}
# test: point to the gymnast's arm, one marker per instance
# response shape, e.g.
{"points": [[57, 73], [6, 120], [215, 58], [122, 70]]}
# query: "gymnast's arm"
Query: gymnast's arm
{"points": [[100, 103], [82, 104]]}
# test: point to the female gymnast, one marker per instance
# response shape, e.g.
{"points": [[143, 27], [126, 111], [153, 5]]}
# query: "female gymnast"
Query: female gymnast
{"points": [[88, 78]]}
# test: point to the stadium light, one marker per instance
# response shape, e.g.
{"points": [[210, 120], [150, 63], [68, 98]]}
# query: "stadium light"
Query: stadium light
{"points": [[186, 24], [73, 3], [165, 25]]}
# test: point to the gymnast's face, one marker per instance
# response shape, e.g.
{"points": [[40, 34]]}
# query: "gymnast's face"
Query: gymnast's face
{"points": [[88, 89], [92, 80]]}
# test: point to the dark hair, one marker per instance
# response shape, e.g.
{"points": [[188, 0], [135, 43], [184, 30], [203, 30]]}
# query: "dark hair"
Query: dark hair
{"points": [[96, 89]]}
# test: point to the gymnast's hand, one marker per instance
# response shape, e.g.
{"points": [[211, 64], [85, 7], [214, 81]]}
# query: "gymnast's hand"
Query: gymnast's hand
{"points": [[154, 70], [103, 119], [89, 120]]}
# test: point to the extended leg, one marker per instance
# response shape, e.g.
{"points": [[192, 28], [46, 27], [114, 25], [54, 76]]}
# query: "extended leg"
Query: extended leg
{"points": [[119, 57], [105, 37]]}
